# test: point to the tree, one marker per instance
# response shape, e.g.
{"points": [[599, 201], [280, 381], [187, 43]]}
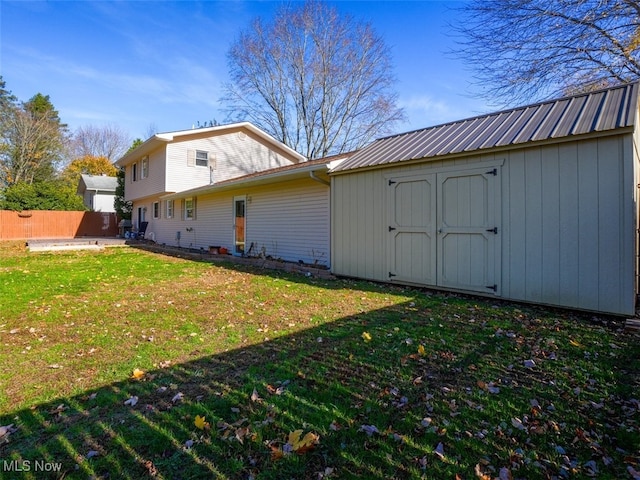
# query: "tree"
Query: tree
{"points": [[48, 195], [532, 49], [87, 164], [109, 141], [124, 208], [319, 82], [32, 140]]}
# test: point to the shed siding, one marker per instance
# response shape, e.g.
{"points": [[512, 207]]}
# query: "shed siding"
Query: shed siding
{"points": [[568, 222], [289, 219]]}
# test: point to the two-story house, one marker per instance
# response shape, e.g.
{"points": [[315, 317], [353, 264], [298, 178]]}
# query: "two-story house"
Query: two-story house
{"points": [[231, 186]]}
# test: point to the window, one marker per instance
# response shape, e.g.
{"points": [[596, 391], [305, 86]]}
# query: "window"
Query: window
{"points": [[189, 209], [144, 172], [202, 158], [156, 209], [134, 172], [169, 209]]}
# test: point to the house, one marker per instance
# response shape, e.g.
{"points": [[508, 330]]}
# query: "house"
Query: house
{"points": [[98, 192], [178, 161], [231, 186], [280, 213], [535, 204]]}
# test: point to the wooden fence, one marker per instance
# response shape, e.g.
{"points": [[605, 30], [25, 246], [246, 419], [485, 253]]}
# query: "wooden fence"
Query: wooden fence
{"points": [[34, 224]]}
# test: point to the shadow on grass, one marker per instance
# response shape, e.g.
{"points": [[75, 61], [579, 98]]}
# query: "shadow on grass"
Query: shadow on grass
{"points": [[379, 407]]}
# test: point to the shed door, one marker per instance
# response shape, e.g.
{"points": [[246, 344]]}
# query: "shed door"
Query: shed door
{"points": [[412, 229], [468, 230], [444, 230]]}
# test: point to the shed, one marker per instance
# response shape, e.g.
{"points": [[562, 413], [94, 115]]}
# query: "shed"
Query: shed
{"points": [[535, 204]]}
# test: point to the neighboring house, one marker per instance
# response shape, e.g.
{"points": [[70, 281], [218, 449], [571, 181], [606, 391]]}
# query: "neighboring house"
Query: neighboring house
{"points": [[231, 186], [98, 192], [536, 204]]}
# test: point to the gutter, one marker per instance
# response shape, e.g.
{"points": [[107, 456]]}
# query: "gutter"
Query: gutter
{"points": [[312, 174]]}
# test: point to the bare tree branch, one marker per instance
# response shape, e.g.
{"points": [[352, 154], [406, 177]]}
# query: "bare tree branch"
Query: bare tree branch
{"points": [[524, 50], [319, 82]]}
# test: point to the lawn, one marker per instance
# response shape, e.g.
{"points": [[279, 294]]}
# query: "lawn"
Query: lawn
{"points": [[130, 364]]}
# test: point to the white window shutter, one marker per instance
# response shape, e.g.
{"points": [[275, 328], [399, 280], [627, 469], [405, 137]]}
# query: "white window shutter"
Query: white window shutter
{"points": [[191, 158]]}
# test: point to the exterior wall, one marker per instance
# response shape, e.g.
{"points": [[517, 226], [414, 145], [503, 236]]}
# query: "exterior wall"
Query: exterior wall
{"points": [[568, 216], [101, 202], [233, 154], [289, 219], [153, 184]]}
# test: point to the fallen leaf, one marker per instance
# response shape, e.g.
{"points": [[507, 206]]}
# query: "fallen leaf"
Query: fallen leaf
{"points": [[439, 451], [369, 429], [137, 374], [178, 397], [516, 422], [479, 474], [366, 336], [421, 350], [255, 397], [131, 401], [505, 474], [635, 474], [201, 423]]}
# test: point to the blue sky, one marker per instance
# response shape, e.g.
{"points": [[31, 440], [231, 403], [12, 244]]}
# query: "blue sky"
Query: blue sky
{"points": [[161, 64]]}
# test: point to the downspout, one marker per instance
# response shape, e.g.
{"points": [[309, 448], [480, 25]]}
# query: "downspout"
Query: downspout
{"points": [[312, 174]]}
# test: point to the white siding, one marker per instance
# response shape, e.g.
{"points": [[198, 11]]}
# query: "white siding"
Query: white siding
{"points": [[103, 202], [289, 219], [153, 184], [236, 154], [569, 219]]}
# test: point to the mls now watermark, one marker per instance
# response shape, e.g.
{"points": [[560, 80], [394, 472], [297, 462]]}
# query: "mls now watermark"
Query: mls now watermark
{"points": [[30, 466]]}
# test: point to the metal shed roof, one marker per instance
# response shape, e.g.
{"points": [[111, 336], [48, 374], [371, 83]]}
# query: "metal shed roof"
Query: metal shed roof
{"points": [[599, 111]]}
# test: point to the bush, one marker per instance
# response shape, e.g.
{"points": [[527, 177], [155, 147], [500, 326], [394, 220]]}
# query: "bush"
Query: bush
{"points": [[51, 195]]}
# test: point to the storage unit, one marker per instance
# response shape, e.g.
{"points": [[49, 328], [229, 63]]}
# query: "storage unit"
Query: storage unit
{"points": [[536, 204]]}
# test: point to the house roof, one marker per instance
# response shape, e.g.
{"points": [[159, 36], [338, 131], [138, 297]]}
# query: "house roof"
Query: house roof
{"points": [[599, 111], [273, 175], [160, 139], [97, 182]]}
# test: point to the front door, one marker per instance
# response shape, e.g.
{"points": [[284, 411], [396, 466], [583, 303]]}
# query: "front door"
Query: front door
{"points": [[239, 223]]}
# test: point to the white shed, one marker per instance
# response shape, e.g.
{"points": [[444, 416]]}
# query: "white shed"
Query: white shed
{"points": [[536, 204]]}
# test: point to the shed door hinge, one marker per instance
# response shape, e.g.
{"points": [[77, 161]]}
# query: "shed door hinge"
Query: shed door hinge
{"points": [[391, 229], [392, 275], [391, 182], [493, 172], [493, 287], [494, 230]]}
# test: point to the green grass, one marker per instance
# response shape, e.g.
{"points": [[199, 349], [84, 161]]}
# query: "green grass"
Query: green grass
{"points": [[444, 382]]}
